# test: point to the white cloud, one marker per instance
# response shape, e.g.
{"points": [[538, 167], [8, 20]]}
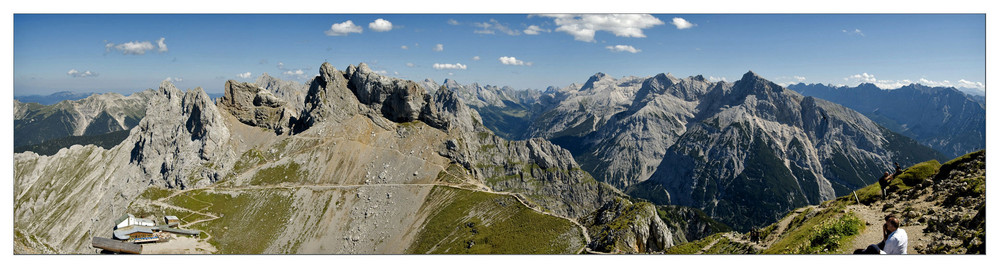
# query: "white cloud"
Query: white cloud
{"points": [[452, 22], [863, 77], [161, 46], [77, 74], [711, 78], [410, 65], [621, 48], [243, 75], [174, 79], [344, 28], [383, 72], [506, 60], [681, 23], [404, 47], [439, 66], [534, 30], [475, 58], [855, 32], [298, 73], [493, 26], [438, 47], [583, 27], [380, 25], [134, 47], [799, 78], [971, 84], [881, 83]]}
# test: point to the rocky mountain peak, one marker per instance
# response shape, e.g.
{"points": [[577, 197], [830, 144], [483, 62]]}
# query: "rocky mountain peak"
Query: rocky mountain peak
{"points": [[593, 79], [350, 70], [451, 83], [168, 155], [751, 83]]}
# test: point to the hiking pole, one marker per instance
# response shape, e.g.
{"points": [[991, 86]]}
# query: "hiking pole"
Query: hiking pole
{"points": [[856, 196]]}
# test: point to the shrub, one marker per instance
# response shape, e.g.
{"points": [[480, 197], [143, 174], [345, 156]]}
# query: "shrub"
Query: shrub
{"points": [[831, 235]]}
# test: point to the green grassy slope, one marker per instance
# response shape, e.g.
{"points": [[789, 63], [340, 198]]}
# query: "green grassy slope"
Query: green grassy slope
{"points": [[470, 222]]}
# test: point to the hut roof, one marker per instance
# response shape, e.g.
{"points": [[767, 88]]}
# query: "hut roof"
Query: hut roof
{"points": [[124, 233], [123, 218]]}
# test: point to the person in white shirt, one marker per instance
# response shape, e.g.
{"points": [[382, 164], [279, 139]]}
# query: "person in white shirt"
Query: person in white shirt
{"points": [[894, 239], [897, 241]]}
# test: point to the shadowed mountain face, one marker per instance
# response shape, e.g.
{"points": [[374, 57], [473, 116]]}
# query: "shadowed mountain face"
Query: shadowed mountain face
{"points": [[745, 152], [944, 119], [97, 114]]}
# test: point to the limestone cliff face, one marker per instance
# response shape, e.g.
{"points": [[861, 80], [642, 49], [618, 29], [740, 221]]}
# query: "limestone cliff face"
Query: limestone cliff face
{"points": [[620, 226], [169, 154], [292, 92], [257, 107], [398, 100], [328, 99]]}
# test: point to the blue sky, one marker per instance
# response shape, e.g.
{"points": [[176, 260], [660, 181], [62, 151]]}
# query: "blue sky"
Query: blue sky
{"points": [[127, 53]]}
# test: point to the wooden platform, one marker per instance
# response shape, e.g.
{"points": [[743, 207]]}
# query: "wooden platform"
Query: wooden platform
{"points": [[115, 245]]}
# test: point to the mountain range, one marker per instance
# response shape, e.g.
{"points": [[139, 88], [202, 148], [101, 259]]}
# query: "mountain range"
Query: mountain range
{"points": [[358, 162], [370, 164], [944, 119], [748, 148]]}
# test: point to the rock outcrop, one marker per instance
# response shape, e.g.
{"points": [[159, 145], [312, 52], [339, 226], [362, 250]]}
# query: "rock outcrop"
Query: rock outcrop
{"points": [[172, 156], [292, 92], [398, 100], [257, 107], [620, 226], [328, 99]]}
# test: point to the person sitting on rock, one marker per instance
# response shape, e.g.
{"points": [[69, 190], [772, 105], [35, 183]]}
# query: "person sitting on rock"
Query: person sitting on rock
{"points": [[883, 182], [894, 240]]}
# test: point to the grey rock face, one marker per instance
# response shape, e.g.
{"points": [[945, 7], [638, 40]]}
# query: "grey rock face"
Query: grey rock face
{"points": [[398, 100], [167, 155], [620, 226], [293, 93], [328, 99], [445, 110], [584, 110], [628, 148], [256, 107]]}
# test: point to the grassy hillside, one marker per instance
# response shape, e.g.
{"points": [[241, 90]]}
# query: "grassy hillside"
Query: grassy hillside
{"points": [[470, 222]]}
